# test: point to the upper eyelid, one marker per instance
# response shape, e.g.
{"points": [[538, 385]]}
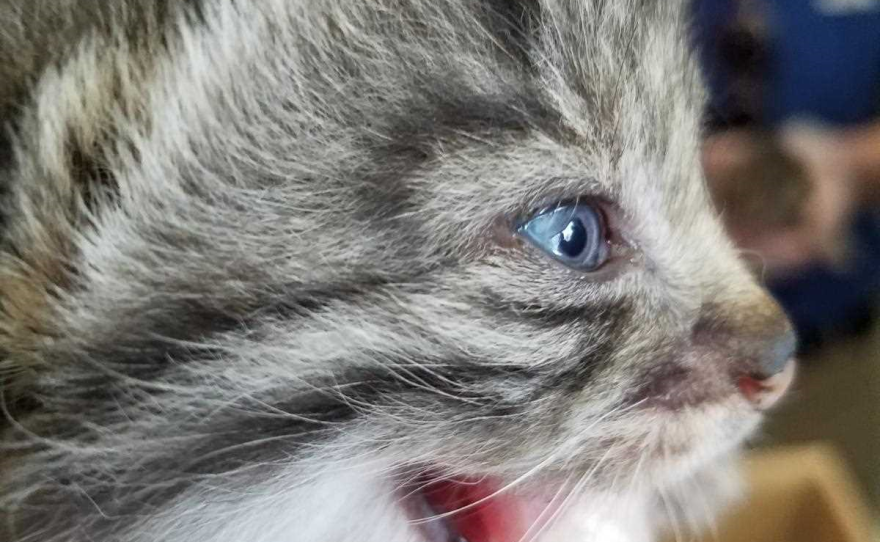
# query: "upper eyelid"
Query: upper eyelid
{"points": [[562, 191], [524, 220], [595, 200]]}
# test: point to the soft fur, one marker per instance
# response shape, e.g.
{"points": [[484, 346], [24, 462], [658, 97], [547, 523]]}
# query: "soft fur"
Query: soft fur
{"points": [[258, 262]]}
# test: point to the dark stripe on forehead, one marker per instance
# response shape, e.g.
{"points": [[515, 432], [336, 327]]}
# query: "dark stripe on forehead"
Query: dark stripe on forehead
{"points": [[444, 112], [516, 24], [439, 108], [441, 117]]}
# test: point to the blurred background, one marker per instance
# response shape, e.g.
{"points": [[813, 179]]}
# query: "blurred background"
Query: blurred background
{"points": [[792, 156]]}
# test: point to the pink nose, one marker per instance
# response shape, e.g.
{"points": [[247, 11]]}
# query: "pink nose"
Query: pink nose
{"points": [[767, 392]]}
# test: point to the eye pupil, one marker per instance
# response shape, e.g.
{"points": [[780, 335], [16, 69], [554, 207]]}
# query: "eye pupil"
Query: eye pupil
{"points": [[571, 241]]}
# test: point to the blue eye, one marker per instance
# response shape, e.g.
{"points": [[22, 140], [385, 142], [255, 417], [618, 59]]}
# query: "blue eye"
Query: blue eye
{"points": [[574, 234]]}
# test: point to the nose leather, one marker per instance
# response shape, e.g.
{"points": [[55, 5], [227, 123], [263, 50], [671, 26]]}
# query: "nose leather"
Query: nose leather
{"points": [[777, 353]]}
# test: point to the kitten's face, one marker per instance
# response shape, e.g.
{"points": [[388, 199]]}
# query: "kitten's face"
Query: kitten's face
{"points": [[509, 359], [470, 242]]}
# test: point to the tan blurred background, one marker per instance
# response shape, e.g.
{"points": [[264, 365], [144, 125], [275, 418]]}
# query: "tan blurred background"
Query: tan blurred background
{"points": [[792, 157], [836, 399]]}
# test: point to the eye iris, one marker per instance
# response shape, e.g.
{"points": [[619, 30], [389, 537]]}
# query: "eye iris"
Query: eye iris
{"points": [[571, 241], [573, 234]]}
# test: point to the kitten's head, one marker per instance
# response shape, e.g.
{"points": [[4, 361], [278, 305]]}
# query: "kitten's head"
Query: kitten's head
{"points": [[469, 240]]}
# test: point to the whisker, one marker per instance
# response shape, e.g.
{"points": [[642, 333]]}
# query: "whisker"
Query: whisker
{"points": [[537, 526]]}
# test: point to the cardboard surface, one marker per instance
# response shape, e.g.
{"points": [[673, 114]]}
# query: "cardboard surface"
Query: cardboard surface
{"points": [[803, 494]]}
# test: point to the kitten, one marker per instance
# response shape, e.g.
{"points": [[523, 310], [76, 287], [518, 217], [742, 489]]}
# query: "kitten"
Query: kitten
{"points": [[363, 271]]}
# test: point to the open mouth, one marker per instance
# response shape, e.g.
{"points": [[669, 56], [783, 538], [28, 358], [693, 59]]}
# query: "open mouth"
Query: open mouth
{"points": [[476, 510]]}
